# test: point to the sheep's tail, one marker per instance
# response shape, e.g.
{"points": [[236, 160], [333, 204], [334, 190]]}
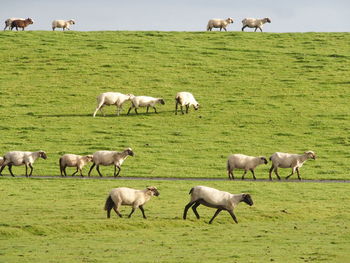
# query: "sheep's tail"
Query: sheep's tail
{"points": [[109, 203], [191, 191]]}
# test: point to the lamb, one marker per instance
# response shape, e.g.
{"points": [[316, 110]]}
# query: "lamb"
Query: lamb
{"points": [[112, 98], [73, 160], [62, 24], [18, 158], [145, 101], [288, 160], [9, 21], [21, 23], [131, 197], [241, 161], [185, 99], [253, 22], [219, 23], [110, 158], [202, 195]]}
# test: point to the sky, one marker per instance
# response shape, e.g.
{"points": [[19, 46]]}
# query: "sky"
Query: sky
{"points": [[182, 15]]}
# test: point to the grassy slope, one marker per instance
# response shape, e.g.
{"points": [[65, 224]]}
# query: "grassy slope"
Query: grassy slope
{"points": [[260, 93]]}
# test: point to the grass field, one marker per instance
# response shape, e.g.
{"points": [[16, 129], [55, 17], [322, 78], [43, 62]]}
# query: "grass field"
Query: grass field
{"points": [[259, 93]]}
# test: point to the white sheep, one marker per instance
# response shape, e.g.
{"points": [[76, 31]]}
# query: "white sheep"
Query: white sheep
{"points": [[288, 160], [255, 23], [73, 160], [202, 195], [64, 24], [185, 99], [245, 162], [9, 21], [145, 101], [112, 98], [18, 158], [107, 158], [219, 23], [131, 197]]}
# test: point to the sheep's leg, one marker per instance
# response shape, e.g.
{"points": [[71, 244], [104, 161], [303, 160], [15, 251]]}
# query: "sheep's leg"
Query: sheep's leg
{"points": [[230, 175], [132, 211], [98, 170], [275, 170], [26, 170], [188, 207], [176, 105], [260, 29], [253, 174], [10, 169], [129, 111], [2, 168], [194, 208], [216, 213], [116, 210], [92, 167], [147, 109], [298, 174], [136, 111], [64, 171], [233, 216], [270, 172], [255, 29], [187, 107], [31, 169], [143, 212], [81, 172], [115, 170], [225, 29], [243, 28], [245, 171], [75, 171], [182, 111], [293, 171]]}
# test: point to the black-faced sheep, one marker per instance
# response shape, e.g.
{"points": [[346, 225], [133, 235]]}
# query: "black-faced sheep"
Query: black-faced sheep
{"points": [[73, 160], [145, 101], [185, 99], [219, 23], [245, 162], [255, 23]]}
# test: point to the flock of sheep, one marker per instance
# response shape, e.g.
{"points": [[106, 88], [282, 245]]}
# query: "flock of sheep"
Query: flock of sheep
{"points": [[13, 22]]}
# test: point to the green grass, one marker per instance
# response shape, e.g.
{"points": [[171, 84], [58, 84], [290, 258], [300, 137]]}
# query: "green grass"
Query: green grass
{"points": [[260, 93], [59, 220]]}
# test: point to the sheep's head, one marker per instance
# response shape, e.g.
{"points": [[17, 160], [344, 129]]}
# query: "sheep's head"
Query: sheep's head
{"points": [[153, 190], [89, 157], [129, 152], [131, 96], [229, 20], [161, 101], [268, 20], [72, 22], [43, 155], [247, 199], [263, 159], [196, 106], [30, 20], [310, 155]]}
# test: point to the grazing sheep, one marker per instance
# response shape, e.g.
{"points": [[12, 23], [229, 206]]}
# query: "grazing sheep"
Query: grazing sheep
{"points": [[288, 160], [144, 101], [18, 158], [255, 23], [241, 161], [62, 24], [185, 99], [73, 160], [112, 98], [9, 21], [21, 23], [202, 195], [131, 197], [219, 23], [110, 158]]}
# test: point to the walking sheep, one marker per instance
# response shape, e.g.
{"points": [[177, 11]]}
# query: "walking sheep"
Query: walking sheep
{"points": [[255, 23], [107, 158], [18, 158], [145, 101], [241, 161], [219, 23], [112, 98], [185, 99], [21, 23], [202, 195], [288, 160], [131, 197], [9, 21], [73, 160], [62, 24]]}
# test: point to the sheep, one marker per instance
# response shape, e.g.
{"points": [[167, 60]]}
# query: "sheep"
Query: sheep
{"points": [[219, 23], [185, 99], [9, 21], [245, 162], [145, 101], [62, 24], [202, 195], [21, 23], [112, 98], [287, 160], [110, 158], [253, 22], [18, 158], [73, 160], [131, 197]]}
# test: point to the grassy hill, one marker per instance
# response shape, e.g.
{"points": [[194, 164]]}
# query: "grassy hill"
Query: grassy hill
{"points": [[259, 93]]}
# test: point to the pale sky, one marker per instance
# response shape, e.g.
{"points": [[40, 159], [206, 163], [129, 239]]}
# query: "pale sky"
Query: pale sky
{"points": [[181, 15]]}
